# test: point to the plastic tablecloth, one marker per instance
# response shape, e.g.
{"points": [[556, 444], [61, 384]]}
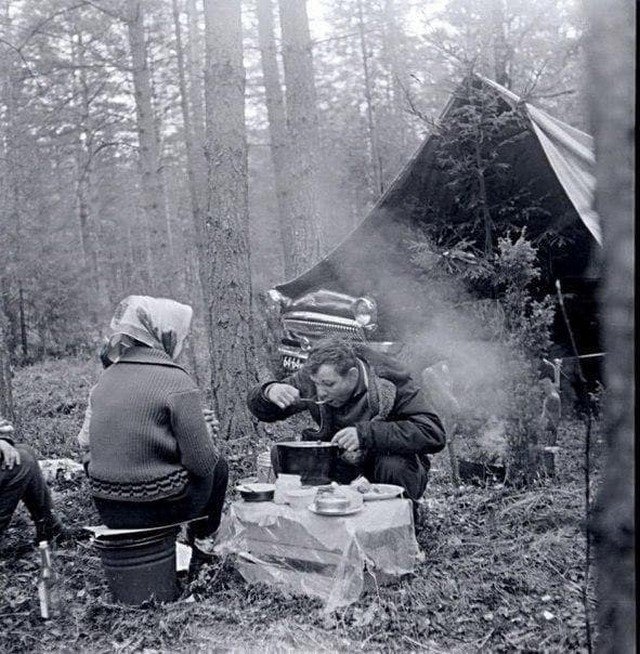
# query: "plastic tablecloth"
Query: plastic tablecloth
{"points": [[321, 556]]}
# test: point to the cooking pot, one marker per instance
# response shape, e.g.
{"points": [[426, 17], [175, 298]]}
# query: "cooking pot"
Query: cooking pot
{"points": [[314, 461]]}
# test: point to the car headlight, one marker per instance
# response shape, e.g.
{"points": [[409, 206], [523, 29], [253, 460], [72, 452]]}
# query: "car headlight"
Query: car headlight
{"points": [[365, 312], [277, 299], [305, 343]]}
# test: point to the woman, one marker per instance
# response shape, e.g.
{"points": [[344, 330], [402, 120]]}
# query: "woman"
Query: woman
{"points": [[152, 459]]}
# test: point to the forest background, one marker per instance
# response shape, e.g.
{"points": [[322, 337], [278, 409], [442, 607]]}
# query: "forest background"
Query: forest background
{"points": [[104, 120]]}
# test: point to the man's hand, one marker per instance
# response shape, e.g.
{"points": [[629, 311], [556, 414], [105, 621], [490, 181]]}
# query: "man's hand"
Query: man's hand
{"points": [[347, 439], [282, 395], [213, 424], [9, 455]]}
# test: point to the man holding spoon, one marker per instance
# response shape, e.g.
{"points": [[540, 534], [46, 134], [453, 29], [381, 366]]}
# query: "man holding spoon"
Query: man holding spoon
{"points": [[368, 405]]}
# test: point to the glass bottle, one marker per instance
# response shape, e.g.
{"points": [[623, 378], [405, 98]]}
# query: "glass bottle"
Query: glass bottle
{"points": [[48, 584]]}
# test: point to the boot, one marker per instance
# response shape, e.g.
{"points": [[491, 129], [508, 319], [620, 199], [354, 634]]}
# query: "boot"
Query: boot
{"points": [[53, 530]]}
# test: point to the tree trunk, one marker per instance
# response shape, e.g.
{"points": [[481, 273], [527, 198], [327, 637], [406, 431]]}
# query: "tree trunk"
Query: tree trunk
{"points": [[14, 238], [392, 35], [228, 279], [11, 333], [6, 395], [194, 63], [499, 38], [194, 73], [611, 49], [192, 172], [482, 196], [376, 162], [83, 190], [278, 138], [23, 324], [302, 124], [161, 268]]}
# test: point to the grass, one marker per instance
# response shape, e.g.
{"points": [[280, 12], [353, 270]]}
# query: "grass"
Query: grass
{"points": [[503, 571]]}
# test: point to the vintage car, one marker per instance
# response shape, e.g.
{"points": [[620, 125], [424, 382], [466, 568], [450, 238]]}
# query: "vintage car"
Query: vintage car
{"points": [[369, 289], [321, 313]]}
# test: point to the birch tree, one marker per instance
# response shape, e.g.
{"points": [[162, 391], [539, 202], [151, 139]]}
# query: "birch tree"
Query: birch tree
{"points": [[227, 285]]}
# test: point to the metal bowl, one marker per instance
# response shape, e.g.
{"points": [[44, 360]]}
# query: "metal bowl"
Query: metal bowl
{"points": [[256, 492]]}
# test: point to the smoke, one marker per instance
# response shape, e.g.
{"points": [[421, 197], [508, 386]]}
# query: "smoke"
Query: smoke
{"points": [[431, 311], [477, 371], [424, 304]]}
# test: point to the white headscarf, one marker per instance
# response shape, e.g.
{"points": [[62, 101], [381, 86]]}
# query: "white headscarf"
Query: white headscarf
{"points": [[160, 323]]}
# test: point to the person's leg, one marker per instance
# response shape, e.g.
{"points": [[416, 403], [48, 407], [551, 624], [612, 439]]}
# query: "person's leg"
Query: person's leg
{"points": [[345, 472], [25, 482], [405, 471], [13, 484], [212, 507]]}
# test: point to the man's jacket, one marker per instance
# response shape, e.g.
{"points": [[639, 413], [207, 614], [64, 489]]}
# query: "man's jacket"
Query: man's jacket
{"points": [[396, 420]]}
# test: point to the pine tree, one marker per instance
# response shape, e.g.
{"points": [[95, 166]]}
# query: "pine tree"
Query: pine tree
{"points": [[227, 286]]}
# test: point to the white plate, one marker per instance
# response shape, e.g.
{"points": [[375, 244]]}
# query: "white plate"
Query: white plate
{"points": [[337, 512], [385, 492]]}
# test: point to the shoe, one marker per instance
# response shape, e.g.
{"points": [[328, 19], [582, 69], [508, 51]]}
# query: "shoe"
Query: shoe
{"points": [[56, 532]]}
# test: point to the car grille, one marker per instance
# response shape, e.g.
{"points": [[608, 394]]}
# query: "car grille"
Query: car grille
{"points": [[316, 330], [291, 364]]}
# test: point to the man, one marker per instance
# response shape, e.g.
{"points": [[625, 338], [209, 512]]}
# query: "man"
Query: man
{"points": [[21, 479], [368, 405]]}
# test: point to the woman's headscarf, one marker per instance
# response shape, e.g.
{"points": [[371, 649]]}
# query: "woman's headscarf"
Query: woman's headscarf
{"points": [[160, 323]]}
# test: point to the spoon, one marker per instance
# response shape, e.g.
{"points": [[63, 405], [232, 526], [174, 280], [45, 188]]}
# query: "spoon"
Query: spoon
{"points": [[310, 400]]}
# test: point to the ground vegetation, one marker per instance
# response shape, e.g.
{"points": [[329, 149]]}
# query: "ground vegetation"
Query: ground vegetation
{"points": [[503, 568]]}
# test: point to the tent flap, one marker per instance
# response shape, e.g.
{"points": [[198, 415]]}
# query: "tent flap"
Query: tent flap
{"points": [[572, 162]]}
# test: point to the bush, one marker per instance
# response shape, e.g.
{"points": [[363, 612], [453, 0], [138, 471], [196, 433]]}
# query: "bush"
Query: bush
{"points": [[494, 358]]}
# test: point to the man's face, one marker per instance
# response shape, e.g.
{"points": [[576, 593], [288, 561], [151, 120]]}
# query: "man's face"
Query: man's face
{"points": [[332, 387]]}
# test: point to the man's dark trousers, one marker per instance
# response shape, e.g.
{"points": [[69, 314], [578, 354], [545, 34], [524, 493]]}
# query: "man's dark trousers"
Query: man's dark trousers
{"points": [[25, 482]]}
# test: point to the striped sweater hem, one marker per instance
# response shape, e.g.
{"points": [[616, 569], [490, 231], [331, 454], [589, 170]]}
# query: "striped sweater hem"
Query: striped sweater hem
{"points": [[142, 491]]}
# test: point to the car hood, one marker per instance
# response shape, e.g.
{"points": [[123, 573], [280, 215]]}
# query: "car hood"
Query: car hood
{"points": [[323, 301]]}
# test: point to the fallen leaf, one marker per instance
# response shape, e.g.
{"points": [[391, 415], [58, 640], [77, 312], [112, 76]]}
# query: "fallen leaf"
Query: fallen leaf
{"points": [[547, 615]]}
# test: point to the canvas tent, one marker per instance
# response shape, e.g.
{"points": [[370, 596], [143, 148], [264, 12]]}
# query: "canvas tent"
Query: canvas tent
{"points": [[569, 153], [554, 160]]}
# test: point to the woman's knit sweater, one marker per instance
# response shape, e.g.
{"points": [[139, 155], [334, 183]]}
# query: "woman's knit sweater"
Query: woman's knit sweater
{"points": [[147, 432]]}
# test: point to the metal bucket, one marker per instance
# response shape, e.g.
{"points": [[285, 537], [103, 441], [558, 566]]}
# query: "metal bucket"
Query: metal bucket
{"points": [[140, 566]]}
